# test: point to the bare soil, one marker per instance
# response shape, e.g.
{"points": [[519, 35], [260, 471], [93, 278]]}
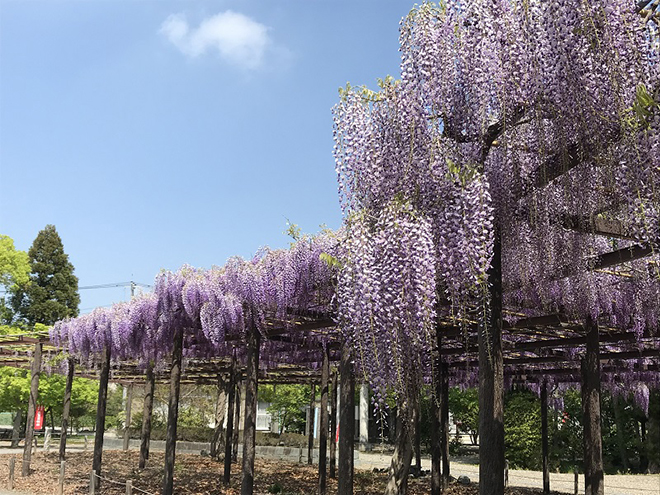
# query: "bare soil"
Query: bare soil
{"points": [[196, 475]]}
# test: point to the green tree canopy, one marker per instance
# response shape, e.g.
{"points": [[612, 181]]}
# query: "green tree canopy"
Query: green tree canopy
{"points": [[14, 271], [51, 293]]}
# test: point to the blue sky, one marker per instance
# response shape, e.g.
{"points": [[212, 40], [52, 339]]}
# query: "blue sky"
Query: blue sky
{"points": [[157, 133]]}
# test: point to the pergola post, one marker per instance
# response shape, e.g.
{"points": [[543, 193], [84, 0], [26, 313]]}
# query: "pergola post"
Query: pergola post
{"points": [[173, 412], [237, 419], [436, 420], [229, 431], [593, 445], [333, 427], [444, 425], [66, 409], [346, 423], [249, 427], [127, 422], [310, 424], [491, 384], [220, 409], [147, 410], [100, 415], [544, 437], [32, 407], [323, 430]]}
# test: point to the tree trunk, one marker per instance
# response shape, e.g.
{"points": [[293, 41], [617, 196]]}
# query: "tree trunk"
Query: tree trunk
{"points": [[397, 481], [491, 385], [346, 423], [593, 446], [66, 408], [643, 455], [323, 429], [249, 427], [100, 414], [173, 412], [147, 411], [333, 427], [229, 434]]}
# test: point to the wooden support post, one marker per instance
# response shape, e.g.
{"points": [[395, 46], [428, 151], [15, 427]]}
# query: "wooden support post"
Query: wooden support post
{"points": [[593, 446], [444, 426], [491, 385], [323, 430], [147, 411], [173, 412], [100, 415], [129, 487], [92, 482], [237, 419], [66, 408], [220, 416], [127, 422], [12, 470], [60, 484], [418, 442], [229, 432], [250, 424], [544, 437], [346, 423], [436, 406], [310, 424], [333, 427], [32, 407]]}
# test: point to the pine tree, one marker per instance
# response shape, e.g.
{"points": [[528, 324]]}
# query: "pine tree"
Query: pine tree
{"points": [[51, 294]]}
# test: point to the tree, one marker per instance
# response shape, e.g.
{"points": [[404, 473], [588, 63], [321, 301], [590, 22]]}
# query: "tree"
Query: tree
{"points": [[51, 293], [14, 271], [464, 408], [287, 405]]}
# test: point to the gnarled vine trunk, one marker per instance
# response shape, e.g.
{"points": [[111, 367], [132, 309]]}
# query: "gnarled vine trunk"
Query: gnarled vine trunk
{"points": [[397, 481]]}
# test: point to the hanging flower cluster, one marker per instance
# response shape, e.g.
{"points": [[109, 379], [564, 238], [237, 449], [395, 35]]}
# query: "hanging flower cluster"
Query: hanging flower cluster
{"points": [[212, 306], [537, 120]]}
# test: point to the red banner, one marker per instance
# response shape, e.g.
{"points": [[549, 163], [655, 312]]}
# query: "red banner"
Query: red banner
{"points": [[39, 418]]}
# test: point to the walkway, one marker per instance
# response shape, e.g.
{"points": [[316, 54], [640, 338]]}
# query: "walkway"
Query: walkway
{"points": [[622, 484]]}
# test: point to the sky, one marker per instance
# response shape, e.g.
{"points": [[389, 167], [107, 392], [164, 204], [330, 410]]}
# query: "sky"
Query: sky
{"points": [[157, 133]]}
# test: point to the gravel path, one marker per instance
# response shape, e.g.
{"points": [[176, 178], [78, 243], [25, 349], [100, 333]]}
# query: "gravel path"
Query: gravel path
{"points": [[621, 484]]}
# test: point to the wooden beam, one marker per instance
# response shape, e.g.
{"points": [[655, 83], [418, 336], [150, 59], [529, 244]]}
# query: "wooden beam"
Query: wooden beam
{"points": [[623, 255]]}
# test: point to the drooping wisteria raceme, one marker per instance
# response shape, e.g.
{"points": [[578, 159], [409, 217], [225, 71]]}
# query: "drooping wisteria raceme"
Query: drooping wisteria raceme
{"points": [[215, 308], [533, 121]]}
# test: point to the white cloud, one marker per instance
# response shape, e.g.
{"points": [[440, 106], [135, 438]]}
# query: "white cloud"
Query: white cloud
{"points": [[237, 38]]}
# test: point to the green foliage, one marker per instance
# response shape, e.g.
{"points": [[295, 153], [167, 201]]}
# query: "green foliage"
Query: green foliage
{"points": [[464, 407], [287, 406], [51, 293], [14, 271], [522, 429]]}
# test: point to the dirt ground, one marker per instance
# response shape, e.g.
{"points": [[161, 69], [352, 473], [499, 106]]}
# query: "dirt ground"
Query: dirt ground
{"points": [[196, 475]]}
